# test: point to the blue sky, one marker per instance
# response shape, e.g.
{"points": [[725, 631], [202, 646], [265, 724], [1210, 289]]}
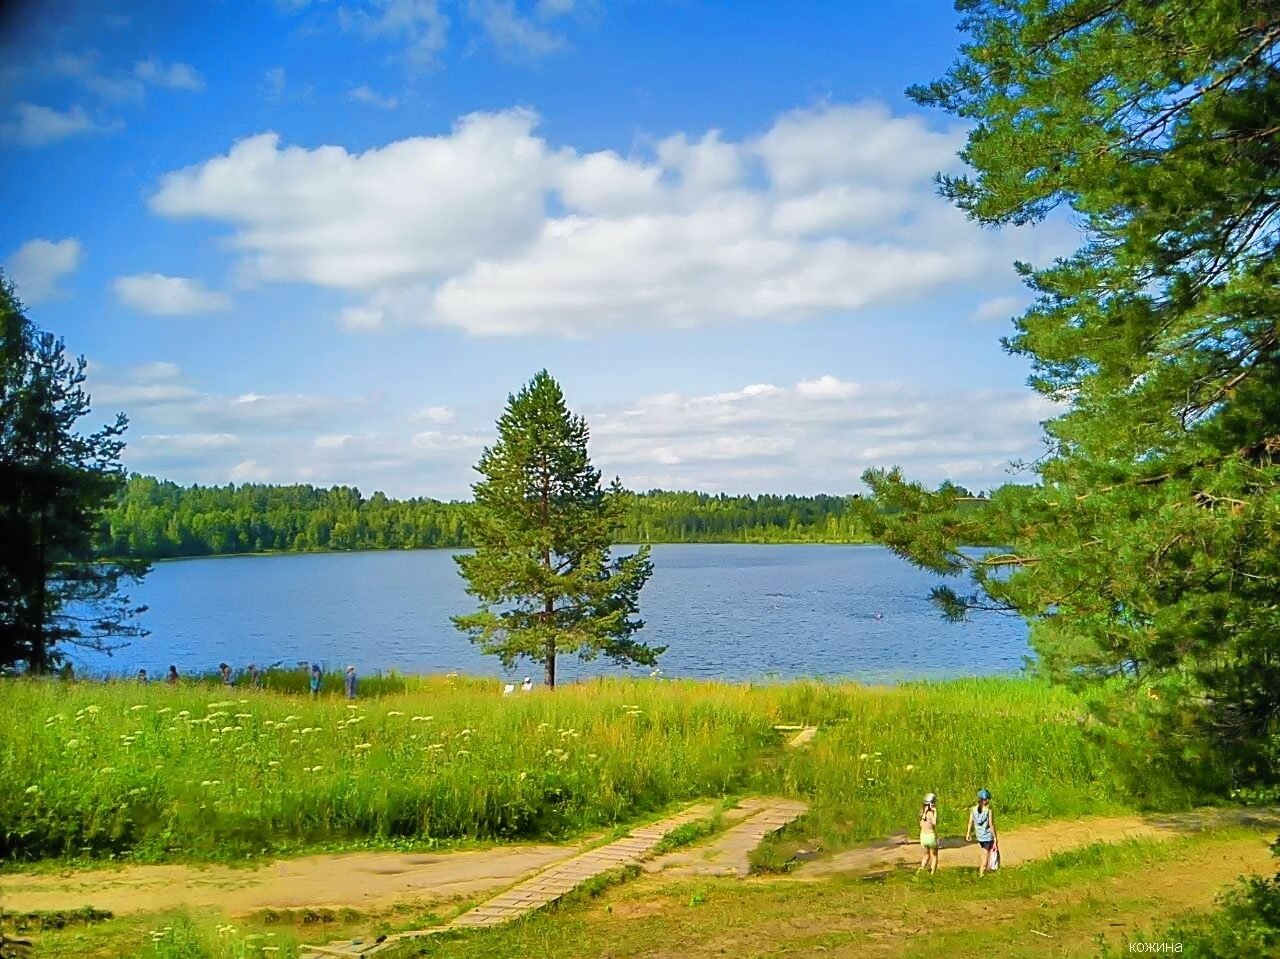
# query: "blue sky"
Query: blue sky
{"points": [[322, 241]]}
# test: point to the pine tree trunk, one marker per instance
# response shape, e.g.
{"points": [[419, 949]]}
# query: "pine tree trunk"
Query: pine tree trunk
{"points": [[549, 610], [37, 663], [551, 663]]}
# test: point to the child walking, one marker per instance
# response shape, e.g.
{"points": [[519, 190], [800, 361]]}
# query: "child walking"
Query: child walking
{"points": [[929, 833], [982, 826]]}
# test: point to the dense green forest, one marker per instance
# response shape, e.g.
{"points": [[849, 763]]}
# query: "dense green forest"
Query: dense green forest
{"points": [[156, 519]]}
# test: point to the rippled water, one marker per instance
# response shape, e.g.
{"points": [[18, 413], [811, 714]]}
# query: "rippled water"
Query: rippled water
{"points": [[725, 611]]}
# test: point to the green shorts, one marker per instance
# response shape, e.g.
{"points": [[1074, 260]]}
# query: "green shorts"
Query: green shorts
{"points": [[929, 840]]}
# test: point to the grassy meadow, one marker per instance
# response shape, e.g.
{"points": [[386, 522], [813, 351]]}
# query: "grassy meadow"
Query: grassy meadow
{"points": [[154, 773]]}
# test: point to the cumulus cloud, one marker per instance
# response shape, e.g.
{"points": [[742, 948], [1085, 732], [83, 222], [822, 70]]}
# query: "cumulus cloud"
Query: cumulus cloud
{"points": [[816, 435], [490, 229], [36, 267], [166, 404], [162, 295], [827, 386], [33, 125]]}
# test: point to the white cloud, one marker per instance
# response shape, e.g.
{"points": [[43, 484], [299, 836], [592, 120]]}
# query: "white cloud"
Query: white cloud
{"points": [[423, 206], [162, 295], [332, 442], [364, 94], [36, 267], [420, 29], [490, 229], [141, 394], [117, 86], [857, 143], [174, 76], [158, 370], [170, 407], [513, 33], [85, 69], [999, 309], [816, 435], [163, 444], [357, 319], [434, 414], [34, 125], [827, 386], [437, 440], [419, 26], [248, 471]]}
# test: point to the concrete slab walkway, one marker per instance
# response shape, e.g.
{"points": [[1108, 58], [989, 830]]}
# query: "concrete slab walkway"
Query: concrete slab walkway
{"points": [[729, 854], [803, 737], [537, 892]]}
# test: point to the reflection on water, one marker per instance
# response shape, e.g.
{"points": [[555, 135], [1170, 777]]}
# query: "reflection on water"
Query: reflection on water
{"points": [[725, 611]]}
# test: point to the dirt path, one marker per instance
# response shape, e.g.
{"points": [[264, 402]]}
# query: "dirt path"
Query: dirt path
{"points": [[729, 852], [542, 890], [771, 919], [1027, 843], [357, 879], [369, 880]]}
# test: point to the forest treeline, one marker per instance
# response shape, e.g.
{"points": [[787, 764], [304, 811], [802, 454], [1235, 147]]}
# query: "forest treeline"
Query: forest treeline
{"points": [[157, 519]]}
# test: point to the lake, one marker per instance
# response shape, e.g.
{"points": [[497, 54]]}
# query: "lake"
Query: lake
{"points": [[726, 612]]}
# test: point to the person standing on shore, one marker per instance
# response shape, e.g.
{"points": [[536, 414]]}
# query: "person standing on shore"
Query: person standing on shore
{"points": [[315, 680], [142, 676], [224, 671], [350, 682], [982, 826], [172, 677], [929, 833]]}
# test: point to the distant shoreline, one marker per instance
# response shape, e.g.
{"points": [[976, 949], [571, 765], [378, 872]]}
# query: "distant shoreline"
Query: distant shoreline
{"points": [[436, 549]]}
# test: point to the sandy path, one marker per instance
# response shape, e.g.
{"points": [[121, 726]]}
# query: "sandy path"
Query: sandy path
{"points": [[865, 921], [1027, 843], [375, 879], [355, 879], [729, 853]]}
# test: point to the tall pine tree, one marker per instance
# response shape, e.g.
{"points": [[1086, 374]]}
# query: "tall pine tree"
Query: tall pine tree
{"points": [[543, 527], [55, 484], [1148, 556]]}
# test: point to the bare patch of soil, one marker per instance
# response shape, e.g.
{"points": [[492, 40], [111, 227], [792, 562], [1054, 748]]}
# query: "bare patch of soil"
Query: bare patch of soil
{"points": [[1028, 843], [357, 879]]}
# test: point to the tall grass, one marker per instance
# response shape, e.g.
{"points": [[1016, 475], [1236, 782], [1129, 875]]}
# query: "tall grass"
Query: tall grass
{"points": [[885, 748], [156, 772], [186, 939]]}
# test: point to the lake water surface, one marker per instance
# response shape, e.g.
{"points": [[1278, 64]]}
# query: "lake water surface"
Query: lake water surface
{"points": [[725, 611]]}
